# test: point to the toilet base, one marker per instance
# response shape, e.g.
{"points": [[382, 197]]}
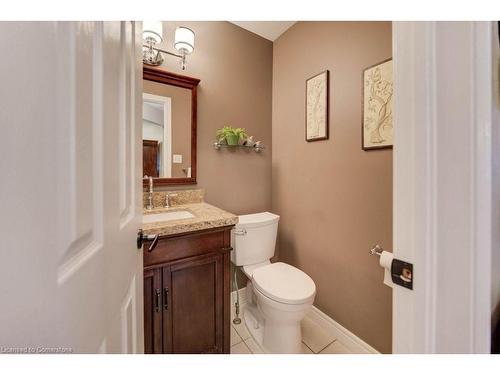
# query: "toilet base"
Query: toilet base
{"points": [[280, 335], [255, 328], [280, 339]]}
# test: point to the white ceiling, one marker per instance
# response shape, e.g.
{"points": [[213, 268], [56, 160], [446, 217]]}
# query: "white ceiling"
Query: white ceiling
{"points": [[267, 29]]}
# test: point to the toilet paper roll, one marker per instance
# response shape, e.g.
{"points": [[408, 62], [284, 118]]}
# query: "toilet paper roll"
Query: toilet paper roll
{"points": [[386, 263]]}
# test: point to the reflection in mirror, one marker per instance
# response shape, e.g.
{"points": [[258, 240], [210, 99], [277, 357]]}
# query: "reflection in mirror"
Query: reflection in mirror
{"points": [[166, 131]]}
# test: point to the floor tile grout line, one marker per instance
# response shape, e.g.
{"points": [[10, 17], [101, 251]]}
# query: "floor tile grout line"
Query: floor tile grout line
{"points": [[322, 350], [236, 343], [235, 330], [308, 347], [327, 345], [312, 351], [245, 345], [251, 338], [242, 339], [250, 350]]}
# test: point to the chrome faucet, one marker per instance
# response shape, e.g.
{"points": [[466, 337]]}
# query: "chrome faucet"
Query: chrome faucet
{"points": [[168, 204], [150, 194]]}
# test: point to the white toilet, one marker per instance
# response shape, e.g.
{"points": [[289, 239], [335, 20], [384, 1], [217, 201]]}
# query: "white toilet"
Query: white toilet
{"points": [[278, 294]]}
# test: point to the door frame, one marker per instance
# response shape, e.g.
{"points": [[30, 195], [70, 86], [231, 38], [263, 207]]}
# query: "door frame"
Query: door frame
{"points": [[443, 77]]}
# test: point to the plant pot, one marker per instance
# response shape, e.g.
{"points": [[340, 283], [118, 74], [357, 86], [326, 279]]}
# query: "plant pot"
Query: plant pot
{"points": [[232, 140]]}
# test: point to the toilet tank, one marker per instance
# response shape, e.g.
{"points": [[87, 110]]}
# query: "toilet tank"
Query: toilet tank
{"points": [[254, 238]]}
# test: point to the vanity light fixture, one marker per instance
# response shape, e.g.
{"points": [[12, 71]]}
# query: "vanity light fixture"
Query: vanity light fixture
{"points": [[153, 33]]}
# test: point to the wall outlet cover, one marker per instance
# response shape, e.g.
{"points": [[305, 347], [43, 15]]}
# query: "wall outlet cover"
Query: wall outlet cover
{"points": [[176, 158]]}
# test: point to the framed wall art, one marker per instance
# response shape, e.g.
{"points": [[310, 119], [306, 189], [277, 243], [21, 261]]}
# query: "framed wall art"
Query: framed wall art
{"points": [[317, 106], [376, 125]]}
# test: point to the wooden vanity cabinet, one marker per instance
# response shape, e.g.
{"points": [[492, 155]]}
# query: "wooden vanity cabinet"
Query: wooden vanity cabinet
{"points": [[187, 293], [152, 313]]}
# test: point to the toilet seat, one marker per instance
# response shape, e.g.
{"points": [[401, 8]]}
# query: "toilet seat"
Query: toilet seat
{"points": [[249, 269], [284, 283]]}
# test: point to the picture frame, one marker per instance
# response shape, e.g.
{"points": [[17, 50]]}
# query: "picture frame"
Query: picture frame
{"points": [[317, 107], [376, 104]]}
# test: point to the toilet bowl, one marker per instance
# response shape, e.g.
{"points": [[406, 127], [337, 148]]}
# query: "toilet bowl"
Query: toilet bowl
{"points": [[284, 295], [278, 294]]}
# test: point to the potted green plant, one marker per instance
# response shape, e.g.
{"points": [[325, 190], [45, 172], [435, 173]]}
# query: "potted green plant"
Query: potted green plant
{"points": [[231, 135]]}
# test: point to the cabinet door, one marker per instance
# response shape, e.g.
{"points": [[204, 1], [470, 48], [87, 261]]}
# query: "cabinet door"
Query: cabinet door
{"points": [[153, 311], [195, 314]]}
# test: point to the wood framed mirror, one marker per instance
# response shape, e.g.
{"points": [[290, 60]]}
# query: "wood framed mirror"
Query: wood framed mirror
{"points": [[169, 127]]}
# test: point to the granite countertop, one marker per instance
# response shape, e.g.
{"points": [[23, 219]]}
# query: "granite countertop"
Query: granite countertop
{"points": [[206, 216]]}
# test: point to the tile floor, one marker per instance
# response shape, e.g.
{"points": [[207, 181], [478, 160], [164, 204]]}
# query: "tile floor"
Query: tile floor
{"points": [[314, 339]]}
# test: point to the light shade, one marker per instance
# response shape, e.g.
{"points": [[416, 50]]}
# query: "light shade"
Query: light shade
{"points": [[184, 40], [152, 29]]}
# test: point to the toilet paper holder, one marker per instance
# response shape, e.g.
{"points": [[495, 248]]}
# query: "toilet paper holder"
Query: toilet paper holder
{"points": [[401, 272], [376, 250]]}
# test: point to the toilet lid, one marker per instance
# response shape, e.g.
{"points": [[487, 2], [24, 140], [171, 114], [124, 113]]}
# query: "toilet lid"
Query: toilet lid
{"points": [[284, 283]]}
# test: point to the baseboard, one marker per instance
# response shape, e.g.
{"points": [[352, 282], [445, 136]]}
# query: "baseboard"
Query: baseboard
{"points": [[342, 334]]}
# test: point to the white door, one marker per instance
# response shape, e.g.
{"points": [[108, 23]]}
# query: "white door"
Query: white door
{"points": [[443, 184], [70, 191]]}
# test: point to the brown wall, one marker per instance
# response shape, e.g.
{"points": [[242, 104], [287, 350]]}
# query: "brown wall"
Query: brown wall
{"points": [[235, 68], [335, 200], [181, 121]]}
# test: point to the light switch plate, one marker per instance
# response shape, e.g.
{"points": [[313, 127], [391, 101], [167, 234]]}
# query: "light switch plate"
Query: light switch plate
{"points": [[176, 158]]}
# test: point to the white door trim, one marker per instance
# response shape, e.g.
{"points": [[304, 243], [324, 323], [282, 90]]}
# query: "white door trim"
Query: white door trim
{"points": [[442, 185], [167, 130]]}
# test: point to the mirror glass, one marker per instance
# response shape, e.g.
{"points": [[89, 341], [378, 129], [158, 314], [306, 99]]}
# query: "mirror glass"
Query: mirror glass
{"points": [[166, 130]]}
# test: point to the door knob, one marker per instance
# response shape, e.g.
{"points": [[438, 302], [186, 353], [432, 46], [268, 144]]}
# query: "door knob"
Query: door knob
{"points": [[141, 237]]}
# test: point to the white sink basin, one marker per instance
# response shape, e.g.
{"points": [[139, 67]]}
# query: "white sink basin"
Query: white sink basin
{"points": [[166, 216]]}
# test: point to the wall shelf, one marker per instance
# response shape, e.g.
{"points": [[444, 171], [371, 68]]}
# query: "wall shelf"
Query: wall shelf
{"points": [[256, 148]]}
